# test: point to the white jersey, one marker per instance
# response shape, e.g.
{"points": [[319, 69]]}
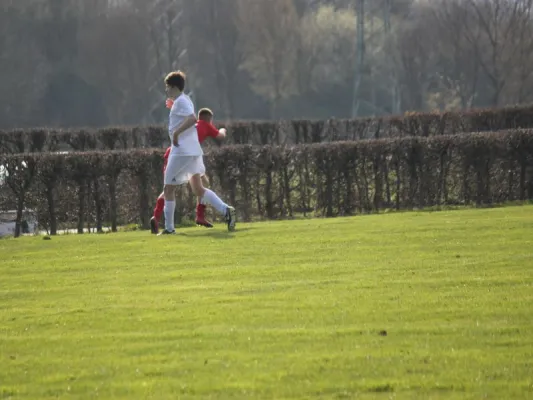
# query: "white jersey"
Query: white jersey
{"points": [[188, 144]]}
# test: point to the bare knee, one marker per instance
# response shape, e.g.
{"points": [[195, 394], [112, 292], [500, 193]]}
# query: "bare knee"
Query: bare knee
{"points": [[199, 191], [205, 181], [169, 192], [196, 186]]}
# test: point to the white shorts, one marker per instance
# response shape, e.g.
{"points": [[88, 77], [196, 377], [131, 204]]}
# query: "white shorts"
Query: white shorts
{"points": [[181, 168]]}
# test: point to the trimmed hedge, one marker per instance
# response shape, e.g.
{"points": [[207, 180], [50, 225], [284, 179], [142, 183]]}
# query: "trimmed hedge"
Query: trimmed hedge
{"points": [[329, 179], [274, 133]]}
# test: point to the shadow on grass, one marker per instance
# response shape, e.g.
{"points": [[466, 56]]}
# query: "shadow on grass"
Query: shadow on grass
{"points": [[212, 233], [218, 235], [224, 234]]}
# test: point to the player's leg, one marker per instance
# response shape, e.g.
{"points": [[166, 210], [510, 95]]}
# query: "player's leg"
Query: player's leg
{"points": [[169, 192], [200, 207], [158, 213], [210, 197], [205, 184], [169, 208]]}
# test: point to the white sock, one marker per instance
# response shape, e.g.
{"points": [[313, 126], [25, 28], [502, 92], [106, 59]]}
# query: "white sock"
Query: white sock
{"points": [[170, 206], [201, 200], [211, 198]]}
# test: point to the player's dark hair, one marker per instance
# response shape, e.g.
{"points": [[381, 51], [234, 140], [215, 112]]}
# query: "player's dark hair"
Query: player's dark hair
{"points": [[176, 79], [204, 112]]}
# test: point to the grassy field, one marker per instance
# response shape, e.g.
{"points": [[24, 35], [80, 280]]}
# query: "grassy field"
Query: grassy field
{"points": [[403, 306]]}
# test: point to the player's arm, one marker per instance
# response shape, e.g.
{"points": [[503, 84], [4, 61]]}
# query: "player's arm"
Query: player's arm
{"points": [[216, 133], [187, 123], [183, 108]]}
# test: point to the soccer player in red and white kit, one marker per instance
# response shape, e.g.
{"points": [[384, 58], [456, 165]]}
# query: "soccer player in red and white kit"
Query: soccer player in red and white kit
{"points": [[185, 161], [205, 129]]}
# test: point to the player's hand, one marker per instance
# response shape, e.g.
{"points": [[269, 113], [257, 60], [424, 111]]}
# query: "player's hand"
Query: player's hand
{"points": [[175, 140], [169, 103]]}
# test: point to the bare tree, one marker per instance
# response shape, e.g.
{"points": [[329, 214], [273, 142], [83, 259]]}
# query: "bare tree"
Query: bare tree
{"points": [[360, 60], [113, 58], [216, 51], [93, 62], [268, 35], [501, 24], [23, 66], [393, 76], [457, 66], [328, 43]]}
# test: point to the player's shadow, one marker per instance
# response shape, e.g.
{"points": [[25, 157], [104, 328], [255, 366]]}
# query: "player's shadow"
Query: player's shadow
{"points": [[225, 234], [242, 230], [217, 234]]}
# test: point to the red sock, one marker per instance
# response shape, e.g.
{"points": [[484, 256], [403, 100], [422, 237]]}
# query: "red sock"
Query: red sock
{"points": [[200, 212], [159, 207], [200, 216]]}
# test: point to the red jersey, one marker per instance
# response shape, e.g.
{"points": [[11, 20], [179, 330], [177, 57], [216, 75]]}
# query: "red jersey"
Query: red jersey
{"points": [[205, 130], [165, 159]]}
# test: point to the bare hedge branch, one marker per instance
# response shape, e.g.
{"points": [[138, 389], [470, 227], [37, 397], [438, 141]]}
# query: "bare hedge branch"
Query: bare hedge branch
{"points": [[270, 182], [273, 132]]}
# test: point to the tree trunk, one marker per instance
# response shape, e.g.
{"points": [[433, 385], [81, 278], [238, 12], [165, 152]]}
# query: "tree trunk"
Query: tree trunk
{"points": [[329, 192], [268, 195], [287, 190], [51, 209], [144, 201], [113, 202], [20, 210], [99, 208], [360, 57], [81, 206]]}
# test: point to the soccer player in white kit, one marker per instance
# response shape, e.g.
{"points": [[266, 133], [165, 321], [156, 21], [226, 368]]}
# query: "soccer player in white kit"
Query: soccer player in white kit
{"points": [[185, 162]]}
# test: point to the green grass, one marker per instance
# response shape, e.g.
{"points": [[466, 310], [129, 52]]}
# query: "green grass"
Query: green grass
{"points": [[276, 310]]}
